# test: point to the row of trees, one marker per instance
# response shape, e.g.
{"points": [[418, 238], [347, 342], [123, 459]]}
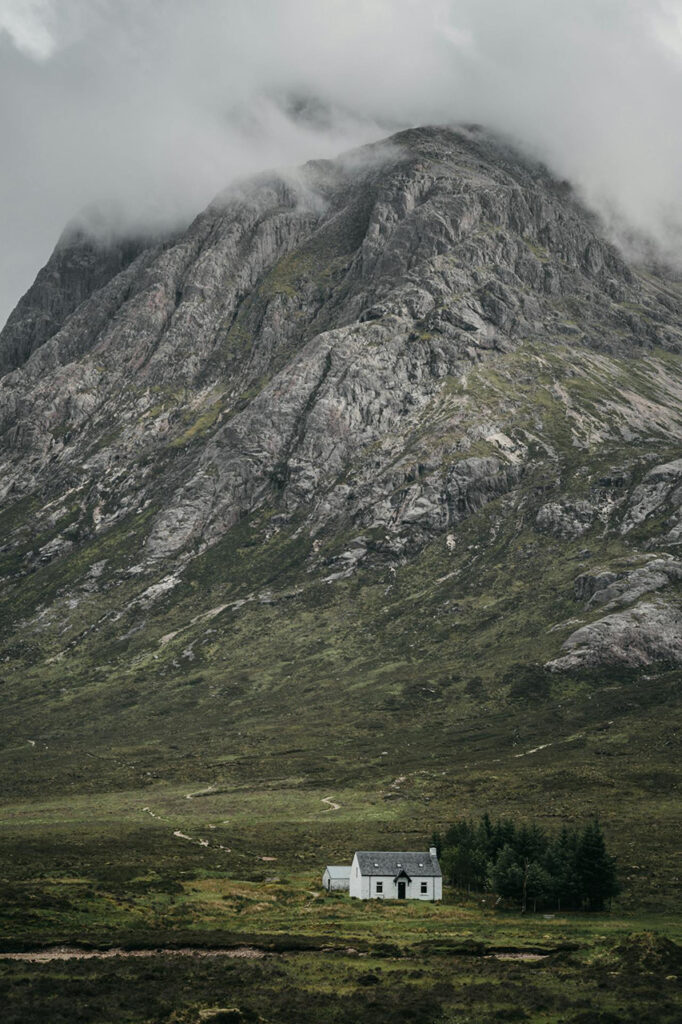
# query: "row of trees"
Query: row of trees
{"points": [[571, 870]]}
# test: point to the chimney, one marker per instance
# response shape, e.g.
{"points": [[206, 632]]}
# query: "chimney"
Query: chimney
{"points": [[432, 851]]}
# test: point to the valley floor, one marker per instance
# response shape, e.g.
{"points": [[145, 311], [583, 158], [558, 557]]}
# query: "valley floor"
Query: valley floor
{"points": [[315, 957], [164, 904]]}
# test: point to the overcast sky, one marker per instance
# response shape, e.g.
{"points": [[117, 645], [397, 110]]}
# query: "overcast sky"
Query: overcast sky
{"points": [[153, 106]]}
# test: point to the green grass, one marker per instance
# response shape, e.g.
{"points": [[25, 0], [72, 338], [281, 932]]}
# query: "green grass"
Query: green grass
{"points": [[330, 958], [335, 988]]}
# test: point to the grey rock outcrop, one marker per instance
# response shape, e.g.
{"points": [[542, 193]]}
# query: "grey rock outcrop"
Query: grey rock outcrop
{"points": [[660, 486], [613, 590], [567, 519], [641, 636], [80, 266]]}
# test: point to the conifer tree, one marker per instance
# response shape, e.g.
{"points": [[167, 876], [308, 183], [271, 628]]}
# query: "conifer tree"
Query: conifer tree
{"points": [[506, 874], [595, 869], [538, 883], [531, 842], [559, 862]]}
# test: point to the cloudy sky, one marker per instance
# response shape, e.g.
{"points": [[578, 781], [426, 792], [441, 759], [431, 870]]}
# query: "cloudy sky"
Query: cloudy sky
{"points": [[152, 106]]}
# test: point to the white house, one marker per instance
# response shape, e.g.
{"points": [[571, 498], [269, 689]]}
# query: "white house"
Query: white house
{"points": [[396, 876], [336, 877]]}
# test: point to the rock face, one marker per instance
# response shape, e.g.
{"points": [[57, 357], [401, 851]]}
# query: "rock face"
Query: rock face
{"points": [[79, 267], [639, 637], [567, 519], [378, 348], [661, 486], [613, 590]]}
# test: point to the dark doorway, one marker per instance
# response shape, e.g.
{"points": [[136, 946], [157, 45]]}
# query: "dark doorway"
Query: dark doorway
{"points": [[401, 890]]}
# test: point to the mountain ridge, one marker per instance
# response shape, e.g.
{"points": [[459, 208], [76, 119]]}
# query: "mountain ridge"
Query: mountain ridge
{"points": [[167, 318], [395, 436]]}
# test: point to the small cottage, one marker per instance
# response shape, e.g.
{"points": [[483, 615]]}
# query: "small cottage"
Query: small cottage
{"points": [[336, 877], [396, 876]]}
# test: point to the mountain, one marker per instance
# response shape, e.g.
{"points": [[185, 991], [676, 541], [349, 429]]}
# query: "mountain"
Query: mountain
{"points": [[374, 470]]}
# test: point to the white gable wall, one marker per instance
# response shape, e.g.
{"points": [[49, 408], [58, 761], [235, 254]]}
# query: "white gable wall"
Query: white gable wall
{"points": [[334, 883], [359, 885]]}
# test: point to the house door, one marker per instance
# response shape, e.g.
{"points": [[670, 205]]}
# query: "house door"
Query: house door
{"points": [[401, 890]]}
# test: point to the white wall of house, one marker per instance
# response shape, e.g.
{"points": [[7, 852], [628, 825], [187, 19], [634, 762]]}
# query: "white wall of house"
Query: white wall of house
{"points": [[333, 883], [384, 887]]}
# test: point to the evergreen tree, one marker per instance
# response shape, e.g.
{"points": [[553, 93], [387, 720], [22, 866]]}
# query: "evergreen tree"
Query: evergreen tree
{"points": [[485, 836], [506, 874], [538, 883], [465, 861], [531, 842], [503, 834], [559, 862], [595, 869]]}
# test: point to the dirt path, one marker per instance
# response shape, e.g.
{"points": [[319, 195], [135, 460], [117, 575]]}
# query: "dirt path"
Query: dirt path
{"points": [[152, 814], [534, 750], [332, 806], [181, 835], [201, 792], [61, 953], [178, 834], [201, 842], [526, 957], [72, 953]]}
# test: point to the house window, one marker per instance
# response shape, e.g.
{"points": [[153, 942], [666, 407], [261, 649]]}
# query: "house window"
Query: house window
{"points": [[425, 887], [380, 886]]}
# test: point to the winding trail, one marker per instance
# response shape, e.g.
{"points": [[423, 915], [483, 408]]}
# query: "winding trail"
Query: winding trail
{"points": [[534, 750], [152, 814], [201, 842], [181, 835], [201, 792], [178, 834], [332, 805]]}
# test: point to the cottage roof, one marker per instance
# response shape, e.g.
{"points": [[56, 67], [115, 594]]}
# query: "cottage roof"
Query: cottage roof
{"points": [[338, 870], [414, 864]]}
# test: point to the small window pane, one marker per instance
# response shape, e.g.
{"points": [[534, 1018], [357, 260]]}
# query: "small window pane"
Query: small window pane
{"points": [[424, 887]]}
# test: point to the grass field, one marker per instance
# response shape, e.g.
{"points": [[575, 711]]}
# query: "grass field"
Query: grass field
{"points": [[303, 955], [106, 871]]}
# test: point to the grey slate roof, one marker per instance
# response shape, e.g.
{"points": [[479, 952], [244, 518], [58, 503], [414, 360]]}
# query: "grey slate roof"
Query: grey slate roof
{"points": [[338, 870], [417, 865]]}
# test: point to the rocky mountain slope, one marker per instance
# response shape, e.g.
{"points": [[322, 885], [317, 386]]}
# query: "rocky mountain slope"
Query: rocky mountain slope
{"points": [[398, 431]]}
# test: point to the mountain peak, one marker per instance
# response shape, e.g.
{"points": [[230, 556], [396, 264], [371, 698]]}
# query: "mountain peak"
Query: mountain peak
{"points": [[424, 345]]}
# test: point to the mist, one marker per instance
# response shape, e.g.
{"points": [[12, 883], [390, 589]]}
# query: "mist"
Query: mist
{"points": [[151, 107]]}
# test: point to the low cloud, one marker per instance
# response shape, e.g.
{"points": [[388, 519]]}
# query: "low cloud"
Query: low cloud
{"points": [[153, 106]]}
